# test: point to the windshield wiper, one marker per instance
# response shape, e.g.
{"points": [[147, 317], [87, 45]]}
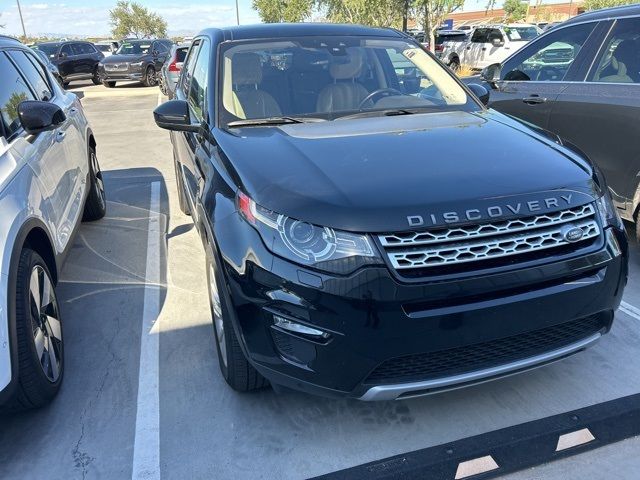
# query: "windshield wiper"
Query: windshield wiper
{"points": [[375, 113], [257, 122]]}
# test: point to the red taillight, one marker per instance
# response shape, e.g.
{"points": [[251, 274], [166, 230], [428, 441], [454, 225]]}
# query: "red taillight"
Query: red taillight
{"points": [[439, 48], [244, 205], [173, 67]]}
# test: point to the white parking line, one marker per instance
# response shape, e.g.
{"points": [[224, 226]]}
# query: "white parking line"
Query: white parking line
{"points": [[146, 448], [630, 310]]}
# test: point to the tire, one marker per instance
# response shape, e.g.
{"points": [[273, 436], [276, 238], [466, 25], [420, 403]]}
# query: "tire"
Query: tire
{"points": [[150, 79], [65, 85], [96, 78], [182, 193], [109, 84], [163, 86], [38, 329], [454, 64], [235, 368], [96, 206]]}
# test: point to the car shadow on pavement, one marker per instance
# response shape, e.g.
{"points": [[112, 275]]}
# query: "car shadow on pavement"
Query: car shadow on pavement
{"points": [[101, 294]]}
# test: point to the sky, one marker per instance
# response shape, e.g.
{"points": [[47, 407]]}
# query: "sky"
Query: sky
{"points": [[91, 17]]}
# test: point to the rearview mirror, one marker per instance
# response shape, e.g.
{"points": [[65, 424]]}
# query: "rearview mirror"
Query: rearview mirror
{"points": [[480, 92], [37, 117], [174, 115], [491, 74]]}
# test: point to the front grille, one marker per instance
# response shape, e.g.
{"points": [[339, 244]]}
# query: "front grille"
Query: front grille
{"points": [[116, 67], [480, 356], [473, 243]]}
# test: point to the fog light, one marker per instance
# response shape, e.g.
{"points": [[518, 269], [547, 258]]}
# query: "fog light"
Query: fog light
{"points": [[295, 327]]}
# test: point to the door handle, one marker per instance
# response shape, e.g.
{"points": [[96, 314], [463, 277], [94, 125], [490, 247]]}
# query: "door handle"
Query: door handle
{"points": [[60, 136], [534, 100]]}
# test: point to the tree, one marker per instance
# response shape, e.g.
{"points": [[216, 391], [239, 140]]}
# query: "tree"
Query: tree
{"points": [[598, 4], [275, 11], [515, 10], [375, 13], [434, 12], [132, 19]]}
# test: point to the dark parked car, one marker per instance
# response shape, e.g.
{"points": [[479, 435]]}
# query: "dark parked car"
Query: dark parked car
{"points": [[345, 256], [75, 60], [139, 60], [581, 81]]}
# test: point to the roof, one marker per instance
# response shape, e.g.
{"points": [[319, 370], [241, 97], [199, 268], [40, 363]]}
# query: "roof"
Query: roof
{"points": [[6, 40], [286, 30], [606, 13]]}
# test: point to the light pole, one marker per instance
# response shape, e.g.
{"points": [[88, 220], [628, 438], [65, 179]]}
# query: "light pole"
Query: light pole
{"points": [[237, 13], [24, 31]]}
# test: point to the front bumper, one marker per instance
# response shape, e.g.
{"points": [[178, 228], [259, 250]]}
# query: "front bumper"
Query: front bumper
{"points": [[112, 76], [381, 331]]}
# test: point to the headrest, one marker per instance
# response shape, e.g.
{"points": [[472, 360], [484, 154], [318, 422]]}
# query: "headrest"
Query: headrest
{"points": [[347, 67], [625, 51], [246, 69]]}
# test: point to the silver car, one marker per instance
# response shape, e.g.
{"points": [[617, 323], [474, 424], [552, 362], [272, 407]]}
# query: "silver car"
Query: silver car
{"points": [[171, 69], [50, 181]]}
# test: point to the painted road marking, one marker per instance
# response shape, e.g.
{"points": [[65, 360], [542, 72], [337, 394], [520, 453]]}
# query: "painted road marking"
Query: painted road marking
{"points": [[630, 310], [146, 448]]}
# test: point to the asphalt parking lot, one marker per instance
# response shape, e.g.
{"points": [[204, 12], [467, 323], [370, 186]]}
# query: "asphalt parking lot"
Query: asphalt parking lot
{"points": [[143, 395]]}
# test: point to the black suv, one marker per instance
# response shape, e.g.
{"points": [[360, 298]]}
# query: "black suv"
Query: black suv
{"points": [[75, 60], [371, 229], [139, 60], [581, 81]]}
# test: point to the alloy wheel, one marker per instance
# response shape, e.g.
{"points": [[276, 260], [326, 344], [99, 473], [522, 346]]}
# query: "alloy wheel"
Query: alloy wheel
{"points": [[45, 322], [216, 307]]}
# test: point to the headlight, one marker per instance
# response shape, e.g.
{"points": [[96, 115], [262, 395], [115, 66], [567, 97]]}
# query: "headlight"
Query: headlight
{"points": [[136, 64], [320, 247], [608, 212]]}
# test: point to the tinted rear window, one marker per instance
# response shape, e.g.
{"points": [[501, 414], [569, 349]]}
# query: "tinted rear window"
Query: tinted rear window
{"points": [[181, 54]]}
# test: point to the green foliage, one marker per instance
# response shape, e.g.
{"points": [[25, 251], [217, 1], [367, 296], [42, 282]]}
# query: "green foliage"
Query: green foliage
{"points": [[275, 11], [11, 107], [598, 4], [376, 13], [515, 10], [132, 19]]}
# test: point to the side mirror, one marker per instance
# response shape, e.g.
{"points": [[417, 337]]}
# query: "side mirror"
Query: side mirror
{"points": [[37, 117], [174, 115], [496, 42], [480, 92], [62, 56], [491, 74]]}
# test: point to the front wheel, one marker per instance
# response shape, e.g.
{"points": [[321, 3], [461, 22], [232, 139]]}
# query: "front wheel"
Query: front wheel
{"points": [[39, 334], [109, 84], [96, 78], [235, 368], [150, 79], [96, 206]]}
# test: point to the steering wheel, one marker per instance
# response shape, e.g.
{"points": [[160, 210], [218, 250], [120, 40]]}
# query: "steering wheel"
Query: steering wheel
{"points": [[385, 92]]}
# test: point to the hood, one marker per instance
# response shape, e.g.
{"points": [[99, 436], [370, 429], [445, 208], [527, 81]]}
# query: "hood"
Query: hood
{"points": [[123, 58], [375, 174]]}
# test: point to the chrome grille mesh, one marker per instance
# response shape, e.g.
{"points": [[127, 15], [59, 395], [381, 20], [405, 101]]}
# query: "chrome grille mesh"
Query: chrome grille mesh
{"points": [[456, 245]]}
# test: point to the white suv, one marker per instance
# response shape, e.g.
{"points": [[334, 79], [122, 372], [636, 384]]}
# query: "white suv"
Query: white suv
{"points": [[50, 181], [487, 45]]}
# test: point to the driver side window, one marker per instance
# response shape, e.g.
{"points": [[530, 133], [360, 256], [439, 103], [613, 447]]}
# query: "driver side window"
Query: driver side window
{"points": [[550, 58]]}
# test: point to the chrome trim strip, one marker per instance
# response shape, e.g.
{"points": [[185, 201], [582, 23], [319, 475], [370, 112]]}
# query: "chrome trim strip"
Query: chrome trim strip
{"points": [[392, 392]]}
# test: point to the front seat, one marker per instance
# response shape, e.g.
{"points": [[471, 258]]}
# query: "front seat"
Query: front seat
{"points": [[246, 77], [624, 63], [345, 93]]}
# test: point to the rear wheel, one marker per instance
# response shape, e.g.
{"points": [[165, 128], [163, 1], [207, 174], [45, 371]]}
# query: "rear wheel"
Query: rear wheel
{"points": [[39, 334], [96, 78], [454, 64], [109, 84], [150, 79], [96, 206], [235, 368]]}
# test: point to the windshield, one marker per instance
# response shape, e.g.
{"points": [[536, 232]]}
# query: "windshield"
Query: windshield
{"points": [[49, 50], [333, 77], [103, 48], [134, 48], [523, 34]]}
